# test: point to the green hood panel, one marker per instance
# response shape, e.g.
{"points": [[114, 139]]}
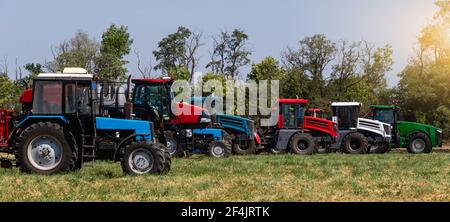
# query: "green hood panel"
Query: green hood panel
{"points": [[415, 125]]}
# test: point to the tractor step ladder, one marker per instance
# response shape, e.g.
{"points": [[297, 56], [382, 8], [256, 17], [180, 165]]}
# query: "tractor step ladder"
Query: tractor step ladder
{"points": [[88, 148]]}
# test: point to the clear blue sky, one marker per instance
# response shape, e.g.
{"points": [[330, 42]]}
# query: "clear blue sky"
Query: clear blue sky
{"points": [[29, 28]]}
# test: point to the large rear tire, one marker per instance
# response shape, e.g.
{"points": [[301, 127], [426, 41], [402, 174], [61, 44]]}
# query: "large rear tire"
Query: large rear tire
{"points": [[245, 150], [355, 143], [44, 148], [419, 143], [303, 144], [142, 158]]}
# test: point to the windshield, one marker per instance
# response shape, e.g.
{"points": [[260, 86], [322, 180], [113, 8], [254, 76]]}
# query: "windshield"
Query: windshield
{"points": [[152, 95], [384, 115]]}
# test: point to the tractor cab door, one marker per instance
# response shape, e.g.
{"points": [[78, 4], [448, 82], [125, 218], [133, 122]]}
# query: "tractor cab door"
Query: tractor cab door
{"points": [[345, 116], [384, 115], [293, 115], [79, 105], [152, 102]]}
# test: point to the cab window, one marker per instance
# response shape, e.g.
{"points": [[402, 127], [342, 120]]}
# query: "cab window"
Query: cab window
{"points": [[47, 98], [384, 115]]}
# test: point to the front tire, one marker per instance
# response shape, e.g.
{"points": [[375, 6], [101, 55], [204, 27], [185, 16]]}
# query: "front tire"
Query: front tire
{"points": [[419, 143], [219, 148], [355, 143], [384, 148], [44, 148], [143, 158], [249, 149], [303, 144]]}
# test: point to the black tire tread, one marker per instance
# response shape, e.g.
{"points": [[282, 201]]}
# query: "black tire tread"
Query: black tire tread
{"points": [[20, 153]]}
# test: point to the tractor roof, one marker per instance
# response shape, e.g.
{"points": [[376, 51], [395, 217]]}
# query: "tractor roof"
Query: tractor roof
{"points": [[70, 73], [152, 81], [384, 107], [64, 76], [293, 101], [346, 104]]}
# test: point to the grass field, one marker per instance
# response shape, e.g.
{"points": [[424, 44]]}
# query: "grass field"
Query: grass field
{"points": [[331, 177]]}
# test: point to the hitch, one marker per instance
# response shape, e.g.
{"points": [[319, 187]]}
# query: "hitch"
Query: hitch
{"points": [[5, 163]]}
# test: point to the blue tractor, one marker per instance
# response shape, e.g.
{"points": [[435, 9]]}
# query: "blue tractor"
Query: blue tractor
{"points": [[245, 139], [65, 127]]}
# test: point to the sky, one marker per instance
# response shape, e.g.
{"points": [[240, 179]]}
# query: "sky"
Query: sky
{"points": [[28, 29]]}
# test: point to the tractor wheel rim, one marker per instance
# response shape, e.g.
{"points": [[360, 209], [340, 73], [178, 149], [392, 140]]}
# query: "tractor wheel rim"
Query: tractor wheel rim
{"points": [[171, 146], [141, 161], [354, 145], [418, 145], [302, 145], [44, 152], [218, 151]]}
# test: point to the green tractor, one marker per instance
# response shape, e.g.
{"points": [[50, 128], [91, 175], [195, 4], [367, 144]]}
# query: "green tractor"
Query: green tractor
{"points": [[415, 137]]}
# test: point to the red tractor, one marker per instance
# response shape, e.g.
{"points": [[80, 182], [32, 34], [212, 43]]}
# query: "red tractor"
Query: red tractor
{"points": [[296, 132]]}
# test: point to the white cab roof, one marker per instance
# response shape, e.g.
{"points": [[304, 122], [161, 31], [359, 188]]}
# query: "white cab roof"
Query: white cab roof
{"points": [[346, 104], [64, 76]]}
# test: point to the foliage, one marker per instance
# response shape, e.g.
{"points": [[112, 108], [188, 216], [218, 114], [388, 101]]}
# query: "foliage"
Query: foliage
{"points": [[9, 93], [229, 53], [115, 45], [79, 51], [423, 92], [178, 51]]}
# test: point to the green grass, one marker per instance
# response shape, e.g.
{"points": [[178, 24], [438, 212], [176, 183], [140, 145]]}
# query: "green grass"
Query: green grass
{"points": [[332, 177]]}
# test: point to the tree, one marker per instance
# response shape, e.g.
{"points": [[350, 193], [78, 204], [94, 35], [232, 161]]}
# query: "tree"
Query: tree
{"points": [[229, 53], [359, 66], [269, 68], [312, 58], [79, 51], [423, 92], [34, 69], [178, 51], [116, 44]]}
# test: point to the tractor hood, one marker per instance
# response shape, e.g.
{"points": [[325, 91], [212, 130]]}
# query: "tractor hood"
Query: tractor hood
{"points": [[190, 114], [417, 125]]}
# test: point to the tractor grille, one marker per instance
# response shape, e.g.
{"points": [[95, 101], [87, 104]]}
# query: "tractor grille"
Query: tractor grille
{"points": [[367, 124], [317, 122]]}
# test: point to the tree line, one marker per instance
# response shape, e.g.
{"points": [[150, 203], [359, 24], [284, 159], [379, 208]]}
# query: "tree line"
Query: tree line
{"points": [[316, 68]]}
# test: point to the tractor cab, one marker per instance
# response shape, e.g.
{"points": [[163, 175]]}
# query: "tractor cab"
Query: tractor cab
{"points": [[291, 114], [386, 114], [345, 114], [157, 94]]}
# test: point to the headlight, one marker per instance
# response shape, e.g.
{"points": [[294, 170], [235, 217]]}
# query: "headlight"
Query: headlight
{"points": [[189, 133], [439, 130], [205, 120]]}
